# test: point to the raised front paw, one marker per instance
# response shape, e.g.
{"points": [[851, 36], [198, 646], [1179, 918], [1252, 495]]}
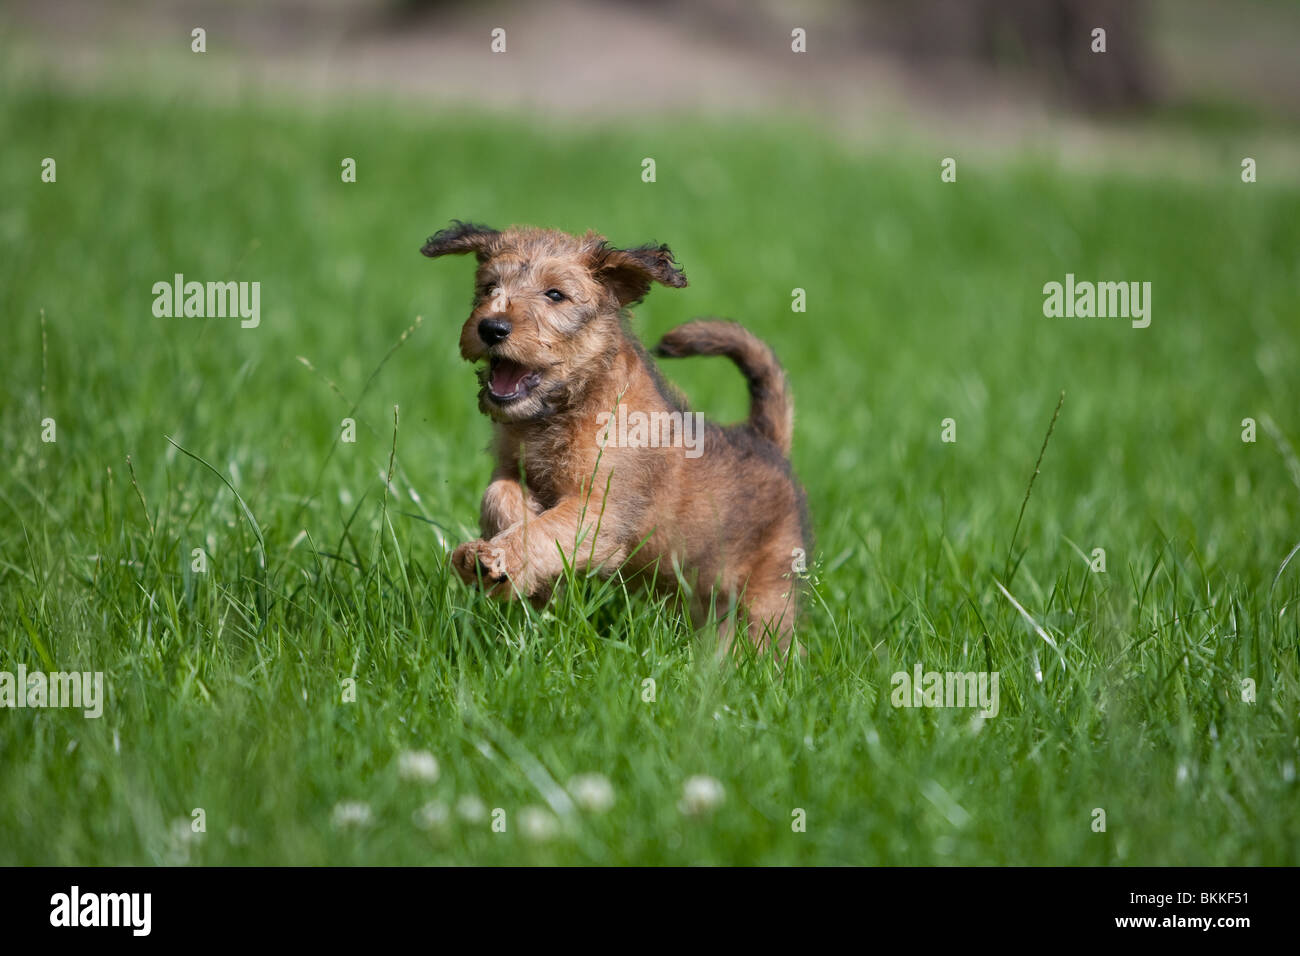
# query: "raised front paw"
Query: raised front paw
{"points": [[485, 561]]}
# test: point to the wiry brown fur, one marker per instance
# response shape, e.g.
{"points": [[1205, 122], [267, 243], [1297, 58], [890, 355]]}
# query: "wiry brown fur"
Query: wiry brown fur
{"points": [[730, 521]]}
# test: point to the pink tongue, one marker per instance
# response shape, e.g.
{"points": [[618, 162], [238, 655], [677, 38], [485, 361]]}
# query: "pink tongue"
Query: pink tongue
{"points": [[506, 376]]}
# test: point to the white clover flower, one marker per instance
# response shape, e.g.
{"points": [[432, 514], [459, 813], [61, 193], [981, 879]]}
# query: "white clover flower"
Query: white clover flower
{"points": [[419, 765], [537, 824], [432, 816], [701, 794], [592, 792], [471, 809], [351, 814], [183, 832], [181, 836]]}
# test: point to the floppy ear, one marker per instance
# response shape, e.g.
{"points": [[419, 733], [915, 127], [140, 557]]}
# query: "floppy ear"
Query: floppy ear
{"points": [[460, 238], [628, 272]]}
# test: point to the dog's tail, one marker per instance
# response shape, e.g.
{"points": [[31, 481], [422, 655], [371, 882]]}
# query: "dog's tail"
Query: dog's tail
{"points": [[771, 406]]}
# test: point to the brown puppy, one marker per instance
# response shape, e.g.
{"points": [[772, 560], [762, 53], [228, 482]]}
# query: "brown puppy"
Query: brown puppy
{"points": [[599, 462]]}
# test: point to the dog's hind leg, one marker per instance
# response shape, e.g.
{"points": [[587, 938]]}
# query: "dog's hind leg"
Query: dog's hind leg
{"points": [[771, 619]]}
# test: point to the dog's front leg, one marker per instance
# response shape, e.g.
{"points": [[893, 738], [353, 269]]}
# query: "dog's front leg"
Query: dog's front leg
{"points": [[525, 559], [506, 503], [505, 506]]}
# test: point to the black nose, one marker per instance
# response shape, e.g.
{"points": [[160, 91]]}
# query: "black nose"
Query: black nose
{"points": [[493, 331]]}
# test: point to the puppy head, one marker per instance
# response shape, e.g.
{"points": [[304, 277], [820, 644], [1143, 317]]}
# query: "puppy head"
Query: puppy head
{"points": [[545, 317]]}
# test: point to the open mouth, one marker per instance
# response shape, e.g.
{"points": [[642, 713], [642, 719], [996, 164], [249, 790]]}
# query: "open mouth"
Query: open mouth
{"points": [[508, 381]]}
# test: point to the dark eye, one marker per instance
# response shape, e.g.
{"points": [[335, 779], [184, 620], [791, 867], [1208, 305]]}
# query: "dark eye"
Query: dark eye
{"points": [[555, 295]]}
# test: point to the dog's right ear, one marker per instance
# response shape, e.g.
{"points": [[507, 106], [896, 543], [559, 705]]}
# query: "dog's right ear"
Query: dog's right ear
{"points": [[460, 238]]}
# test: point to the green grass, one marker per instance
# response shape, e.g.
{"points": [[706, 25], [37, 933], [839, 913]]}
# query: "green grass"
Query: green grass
{"points": [[924, 303]]}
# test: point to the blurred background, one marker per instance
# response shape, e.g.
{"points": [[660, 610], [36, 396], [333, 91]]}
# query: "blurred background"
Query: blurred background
{"points": [[1012, 71]]}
